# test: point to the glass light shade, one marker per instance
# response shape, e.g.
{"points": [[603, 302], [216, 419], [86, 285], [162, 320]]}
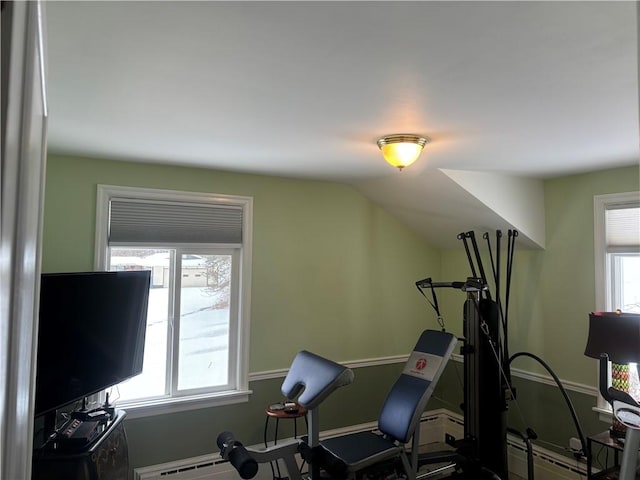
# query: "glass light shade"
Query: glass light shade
{"points": [[401, 150]]}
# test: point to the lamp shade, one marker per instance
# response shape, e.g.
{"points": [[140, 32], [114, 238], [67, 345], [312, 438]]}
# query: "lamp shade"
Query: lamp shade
{"points": [[401, 150], [616, 334]]}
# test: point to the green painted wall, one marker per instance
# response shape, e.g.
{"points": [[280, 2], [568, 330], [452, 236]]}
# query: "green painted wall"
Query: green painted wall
{"points": [[330, 269], [332, 273], [357, 299], [567, 274]]}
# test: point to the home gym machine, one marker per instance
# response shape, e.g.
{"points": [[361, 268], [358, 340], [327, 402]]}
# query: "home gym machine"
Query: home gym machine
{"points": [[483, 449], [480, 454], [352, 455], [487, 378]]}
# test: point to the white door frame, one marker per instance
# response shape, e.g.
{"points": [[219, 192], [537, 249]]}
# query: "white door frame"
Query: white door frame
{"points": [[24, 117]]}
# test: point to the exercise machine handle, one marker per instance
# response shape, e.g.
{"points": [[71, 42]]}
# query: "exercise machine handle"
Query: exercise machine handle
{"points": [[237, 454]]}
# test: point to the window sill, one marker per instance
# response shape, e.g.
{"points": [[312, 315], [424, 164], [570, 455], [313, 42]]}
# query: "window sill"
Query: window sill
{"points": [[604, 414], [149, 408]]}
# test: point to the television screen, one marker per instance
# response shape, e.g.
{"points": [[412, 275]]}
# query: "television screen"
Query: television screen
{"points": [[91, 334]]}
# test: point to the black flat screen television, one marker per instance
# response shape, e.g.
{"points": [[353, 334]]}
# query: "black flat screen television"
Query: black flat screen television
{"points": [[91, 334]]}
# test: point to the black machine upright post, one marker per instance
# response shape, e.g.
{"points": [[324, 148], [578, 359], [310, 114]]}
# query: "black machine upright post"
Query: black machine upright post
{"points": [[484, 401], [472, 374], [484, 446]]}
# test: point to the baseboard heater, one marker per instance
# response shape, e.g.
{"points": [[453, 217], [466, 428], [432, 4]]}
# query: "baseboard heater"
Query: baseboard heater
{"points": [[195, 468], [548, 465]]}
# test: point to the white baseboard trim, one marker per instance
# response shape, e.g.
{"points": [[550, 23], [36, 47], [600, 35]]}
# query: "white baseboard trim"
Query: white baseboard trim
{"points": [[434, 425], [547, 465]]}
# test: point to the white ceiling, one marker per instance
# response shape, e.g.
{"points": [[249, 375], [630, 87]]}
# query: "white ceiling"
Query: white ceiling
{"points": [[304, 89]]}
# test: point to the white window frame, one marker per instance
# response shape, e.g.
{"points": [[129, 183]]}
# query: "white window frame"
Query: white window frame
{"points": [[233, 313], [603, 268], [240, 371]]}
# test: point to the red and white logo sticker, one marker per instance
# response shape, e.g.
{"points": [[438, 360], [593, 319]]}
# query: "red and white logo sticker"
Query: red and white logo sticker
{"points": [[423, 365]]}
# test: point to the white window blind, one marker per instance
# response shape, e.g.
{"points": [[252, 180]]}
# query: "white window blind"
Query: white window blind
{"points": [[134, 221], [622, 228]]}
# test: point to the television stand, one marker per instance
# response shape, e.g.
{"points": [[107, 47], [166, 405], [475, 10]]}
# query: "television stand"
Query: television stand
{"points": [[85, 451]]}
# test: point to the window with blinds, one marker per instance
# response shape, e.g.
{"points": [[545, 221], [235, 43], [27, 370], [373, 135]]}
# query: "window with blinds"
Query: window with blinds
{"points": [[617, 261], [198, 249]]}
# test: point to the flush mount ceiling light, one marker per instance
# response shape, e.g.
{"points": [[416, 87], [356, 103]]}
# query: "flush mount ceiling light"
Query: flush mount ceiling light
{"points": [[402, 150]]}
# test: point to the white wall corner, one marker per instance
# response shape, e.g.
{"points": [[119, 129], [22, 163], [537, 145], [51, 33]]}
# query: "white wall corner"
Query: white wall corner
{"points": [[517, 200]]}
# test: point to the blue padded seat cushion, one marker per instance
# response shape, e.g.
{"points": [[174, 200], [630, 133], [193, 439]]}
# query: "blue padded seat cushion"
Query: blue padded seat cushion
{"points": [[360, 449]]}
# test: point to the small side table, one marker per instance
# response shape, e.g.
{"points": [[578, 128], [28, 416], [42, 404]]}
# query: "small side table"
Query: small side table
{"points": [[281, 412], [605, 439]]}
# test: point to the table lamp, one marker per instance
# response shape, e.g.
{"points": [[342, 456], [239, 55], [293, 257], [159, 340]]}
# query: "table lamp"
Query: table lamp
{"points": [[615, 337]]}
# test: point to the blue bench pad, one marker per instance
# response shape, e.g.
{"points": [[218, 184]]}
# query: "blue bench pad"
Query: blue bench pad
{"points": [[357, 450]]}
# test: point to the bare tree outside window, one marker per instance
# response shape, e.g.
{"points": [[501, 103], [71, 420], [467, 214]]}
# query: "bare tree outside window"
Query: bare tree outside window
{"points": [[218, 275]]}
